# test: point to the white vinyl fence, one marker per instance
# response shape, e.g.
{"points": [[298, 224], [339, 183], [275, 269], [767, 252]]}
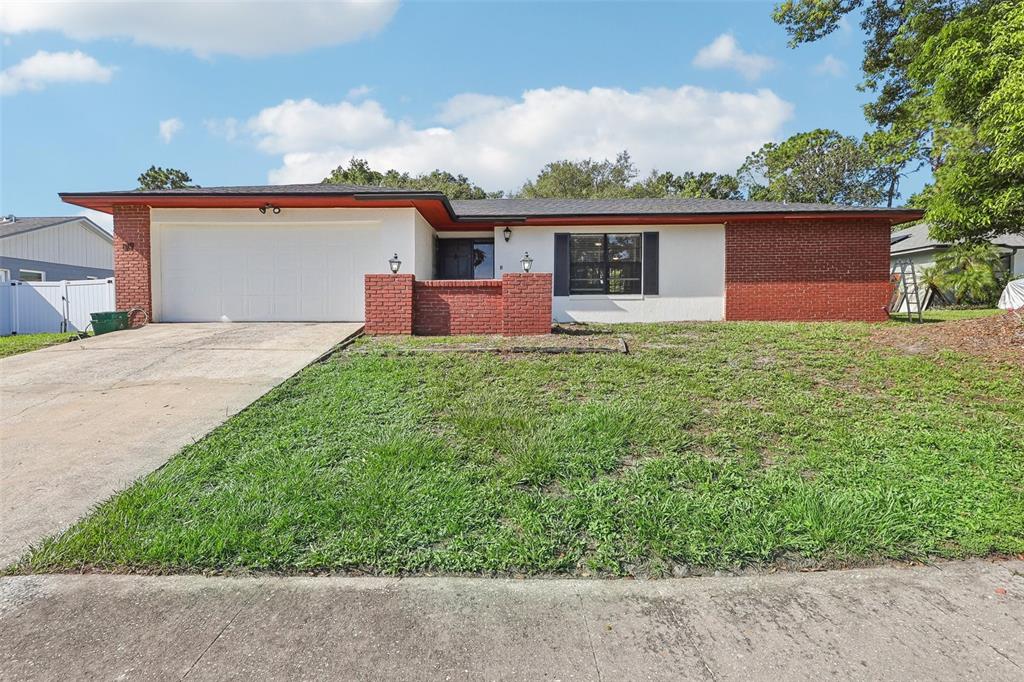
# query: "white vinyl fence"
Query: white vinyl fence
{"points": [[35, 307]]}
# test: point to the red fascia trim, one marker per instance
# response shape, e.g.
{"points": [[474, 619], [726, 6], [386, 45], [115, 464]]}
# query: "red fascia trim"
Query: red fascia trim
{"points": [[437, 215]]}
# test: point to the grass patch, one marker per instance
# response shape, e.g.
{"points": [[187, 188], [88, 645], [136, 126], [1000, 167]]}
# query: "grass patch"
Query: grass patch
{"points": [[711, 445], [23, 343], [943, 315]]}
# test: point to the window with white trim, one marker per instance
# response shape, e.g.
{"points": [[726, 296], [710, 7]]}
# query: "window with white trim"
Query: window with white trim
{"points": [[31, 275]]}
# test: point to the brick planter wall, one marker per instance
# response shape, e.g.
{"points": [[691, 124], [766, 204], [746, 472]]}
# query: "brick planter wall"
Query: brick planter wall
{"points": [[388, 304], [527, 303], [132, 269], [518, 304], [443, 307], [807, 270]]}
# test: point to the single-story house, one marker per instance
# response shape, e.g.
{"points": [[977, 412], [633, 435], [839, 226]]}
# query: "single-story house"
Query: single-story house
{"points": [[308, 252], [914, 245], [54, 248]]}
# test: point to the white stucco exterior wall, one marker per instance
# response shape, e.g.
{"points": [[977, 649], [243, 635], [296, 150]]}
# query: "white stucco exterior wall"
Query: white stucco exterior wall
{"points": [[423, 259], [691, 273]]}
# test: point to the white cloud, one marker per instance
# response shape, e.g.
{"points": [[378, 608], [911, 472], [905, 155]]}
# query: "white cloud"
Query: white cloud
{"points": [[831, 66], [725, 53], [104, 220], [169, 128], [222, 127], [501, 145], [245, 29], [45, 68], [467, 105], [359, 92]]}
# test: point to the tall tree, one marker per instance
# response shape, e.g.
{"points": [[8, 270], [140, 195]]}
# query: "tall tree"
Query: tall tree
{"points": [[948, 78], [586, 179], [820, 166], [164, 178], [703, 185], [359, 172]]}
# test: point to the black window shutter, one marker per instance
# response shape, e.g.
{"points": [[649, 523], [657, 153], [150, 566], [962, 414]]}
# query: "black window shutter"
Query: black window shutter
{"points": [[650, 263], [561, 283]]}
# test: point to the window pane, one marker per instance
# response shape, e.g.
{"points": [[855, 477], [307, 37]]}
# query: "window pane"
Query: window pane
{"points": [[483, 260], [30, 276], [624, 269], [586, 264]]}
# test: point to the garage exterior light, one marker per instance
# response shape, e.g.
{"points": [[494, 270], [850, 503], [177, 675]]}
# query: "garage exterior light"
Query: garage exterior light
{"points": [[395, 264]]}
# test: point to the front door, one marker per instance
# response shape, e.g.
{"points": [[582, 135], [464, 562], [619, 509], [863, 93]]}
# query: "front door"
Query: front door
{"points": [[465, 259]]}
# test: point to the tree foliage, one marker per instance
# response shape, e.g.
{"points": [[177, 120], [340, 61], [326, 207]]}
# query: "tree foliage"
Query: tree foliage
{"points": [[973, 271], [948, 78], [703, 185], [586, 179], [820, 166], [358, 172], [164, 178], [607, 179]]}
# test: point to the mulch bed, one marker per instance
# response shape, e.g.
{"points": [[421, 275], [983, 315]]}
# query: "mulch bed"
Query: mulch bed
{"points": [[1000, 337]]}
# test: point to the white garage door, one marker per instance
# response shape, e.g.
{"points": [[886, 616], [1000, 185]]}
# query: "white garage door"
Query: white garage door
{"points": [[258, 273]]}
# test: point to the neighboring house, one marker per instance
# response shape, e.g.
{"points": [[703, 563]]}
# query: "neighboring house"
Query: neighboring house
{"points": [[56, 248], [913, 244], [302, 252]]}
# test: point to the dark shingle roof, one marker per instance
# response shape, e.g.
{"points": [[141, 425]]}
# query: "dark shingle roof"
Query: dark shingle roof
{"points": [[19, 225], [915, 238], [499, 209], [555, 207]]}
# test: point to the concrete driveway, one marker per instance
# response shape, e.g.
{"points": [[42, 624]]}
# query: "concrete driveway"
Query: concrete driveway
{"points": [[82, 420]]}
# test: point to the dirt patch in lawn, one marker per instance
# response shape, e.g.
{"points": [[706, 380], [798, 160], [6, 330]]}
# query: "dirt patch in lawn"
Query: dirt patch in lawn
{"points": [[999, 337], [563, 339]]}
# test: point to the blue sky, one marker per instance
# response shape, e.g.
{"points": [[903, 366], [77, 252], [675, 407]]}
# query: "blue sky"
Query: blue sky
{"points": [[281, 92]]}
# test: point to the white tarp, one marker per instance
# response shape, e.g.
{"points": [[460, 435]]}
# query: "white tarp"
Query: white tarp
{"points": [[1013, 296]]}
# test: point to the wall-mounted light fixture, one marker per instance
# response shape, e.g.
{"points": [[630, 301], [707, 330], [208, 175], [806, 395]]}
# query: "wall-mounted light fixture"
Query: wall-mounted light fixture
{"points": [[507, 233], [395, 264], [270, 207], [526, 261]]}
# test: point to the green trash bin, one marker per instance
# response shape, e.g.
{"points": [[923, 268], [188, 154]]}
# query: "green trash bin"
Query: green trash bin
{"points": [[109, 322]]}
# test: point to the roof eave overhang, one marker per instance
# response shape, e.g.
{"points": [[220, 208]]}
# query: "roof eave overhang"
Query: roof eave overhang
{"points": [[436, 208]]}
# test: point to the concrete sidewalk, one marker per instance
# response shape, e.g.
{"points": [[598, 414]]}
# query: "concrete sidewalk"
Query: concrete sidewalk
{"points": [[957, 621]]}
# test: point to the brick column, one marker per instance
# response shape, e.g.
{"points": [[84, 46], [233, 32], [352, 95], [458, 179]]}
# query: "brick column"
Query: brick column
{"points": [[526, 303], [132, 269], [388, 304]]}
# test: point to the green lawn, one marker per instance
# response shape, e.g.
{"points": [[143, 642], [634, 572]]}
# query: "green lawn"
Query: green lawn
{"points": [[711, 446], [23, 343], [942, 315]]}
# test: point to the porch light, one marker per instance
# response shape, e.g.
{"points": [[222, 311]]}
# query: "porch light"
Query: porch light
{"points": [[395, 264], [507, 232], [526, 262], [269, 207]]}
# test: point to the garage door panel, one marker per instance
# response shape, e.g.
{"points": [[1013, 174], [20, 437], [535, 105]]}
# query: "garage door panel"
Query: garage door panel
{"points": [[263, 273]]}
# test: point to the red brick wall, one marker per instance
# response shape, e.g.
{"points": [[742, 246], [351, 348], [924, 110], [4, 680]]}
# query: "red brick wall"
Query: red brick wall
{"points": [[519, 304], [132, 272], [443, 307], [388, 304], [807, 270], [527, 303]]}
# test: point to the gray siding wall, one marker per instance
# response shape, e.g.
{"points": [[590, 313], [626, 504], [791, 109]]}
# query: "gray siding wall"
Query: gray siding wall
{"points": [[54, 271]]}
